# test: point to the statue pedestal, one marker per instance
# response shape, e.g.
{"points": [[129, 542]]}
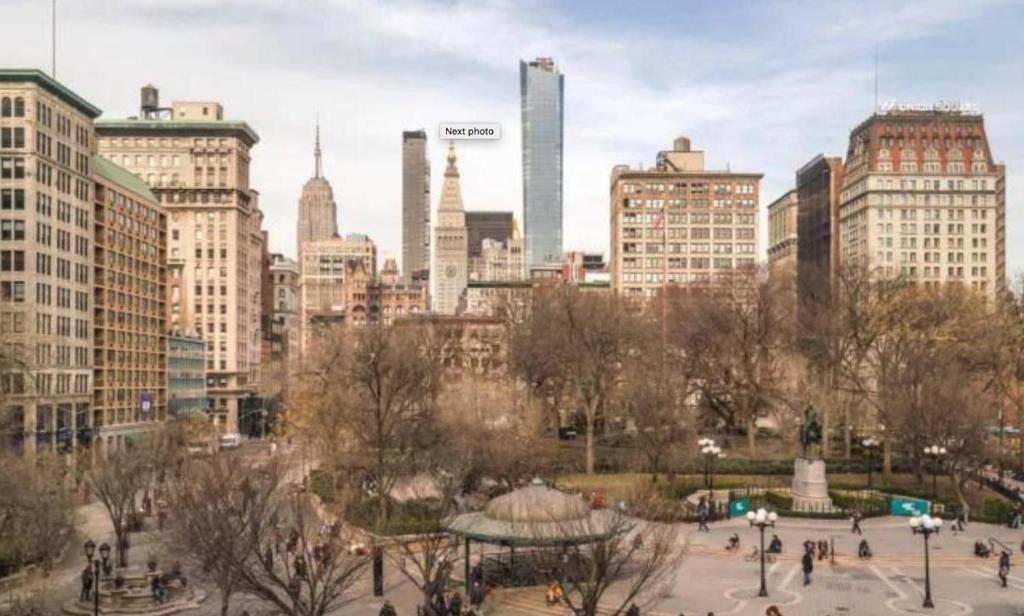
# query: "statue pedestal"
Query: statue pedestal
{"points": [[810, 487]]}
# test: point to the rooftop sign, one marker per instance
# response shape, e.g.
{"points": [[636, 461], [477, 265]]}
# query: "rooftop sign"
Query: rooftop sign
{"points": [[940, 107]]}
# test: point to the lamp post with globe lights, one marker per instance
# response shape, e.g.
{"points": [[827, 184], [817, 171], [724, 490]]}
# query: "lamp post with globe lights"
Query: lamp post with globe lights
{"points": [[936, 453], [870, 447], [90, 551], [927, 526], [762, 519], [710, 451]]}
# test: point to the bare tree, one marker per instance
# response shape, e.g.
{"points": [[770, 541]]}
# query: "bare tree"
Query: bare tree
{"points": [[116, 482], [657, 384], [737, 332], [375, 389], [577, 342], [636, 556], [259, 536], [37, 511]]}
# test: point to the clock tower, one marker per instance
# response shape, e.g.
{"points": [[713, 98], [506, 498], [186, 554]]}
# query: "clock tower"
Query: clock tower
{"points": [[451, 254]]}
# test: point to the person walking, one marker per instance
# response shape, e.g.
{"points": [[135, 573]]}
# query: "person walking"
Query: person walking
{"points": [[633, 610], [387, 609], [1004, 567], [808, 565], [702, 516], [856, 518], [87, 578], [455, 605]]}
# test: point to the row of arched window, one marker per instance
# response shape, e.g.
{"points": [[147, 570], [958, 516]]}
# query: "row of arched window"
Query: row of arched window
{"points": [[12, 107]]}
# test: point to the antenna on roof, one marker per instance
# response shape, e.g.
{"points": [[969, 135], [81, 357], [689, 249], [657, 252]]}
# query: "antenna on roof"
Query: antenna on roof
{"points": [[876, 79], [53, 39]]}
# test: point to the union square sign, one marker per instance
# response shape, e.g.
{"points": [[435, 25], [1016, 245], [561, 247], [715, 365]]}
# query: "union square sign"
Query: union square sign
{"points": [[941, 106]]}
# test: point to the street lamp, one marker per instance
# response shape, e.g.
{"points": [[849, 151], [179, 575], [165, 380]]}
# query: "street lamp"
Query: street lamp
{"points": [[90, 551], [762, 519], [710, 451], [936, 453], [927, 526], [870, 446]]}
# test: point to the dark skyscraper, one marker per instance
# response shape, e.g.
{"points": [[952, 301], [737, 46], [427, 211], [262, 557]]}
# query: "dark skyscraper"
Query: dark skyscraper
{"points": [[415, 206], [542, 90], [497, 226]]}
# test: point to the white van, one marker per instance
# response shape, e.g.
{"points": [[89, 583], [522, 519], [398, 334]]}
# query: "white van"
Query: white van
{"points": [[231, 440]]}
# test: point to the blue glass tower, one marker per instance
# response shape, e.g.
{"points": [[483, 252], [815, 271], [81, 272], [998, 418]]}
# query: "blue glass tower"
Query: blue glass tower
{"points": [[542, 91]]}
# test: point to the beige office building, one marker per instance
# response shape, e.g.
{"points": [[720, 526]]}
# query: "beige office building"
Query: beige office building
{"points": [[679, 223], [197, 165], [782, 244], [46, 280], [130, 307], [322, 282], [923, 199]]}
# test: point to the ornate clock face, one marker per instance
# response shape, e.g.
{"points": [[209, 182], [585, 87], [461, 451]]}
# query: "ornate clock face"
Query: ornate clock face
{"points": [[450, 271]]}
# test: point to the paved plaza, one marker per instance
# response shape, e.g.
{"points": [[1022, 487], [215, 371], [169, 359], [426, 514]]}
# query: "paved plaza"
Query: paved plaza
{"points": [[709, 579]]}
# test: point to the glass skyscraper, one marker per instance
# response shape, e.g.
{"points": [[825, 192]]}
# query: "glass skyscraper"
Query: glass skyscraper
{"points": [[542, 90]]}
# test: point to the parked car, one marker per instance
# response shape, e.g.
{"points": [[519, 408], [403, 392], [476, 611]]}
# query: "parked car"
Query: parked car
{"points": [[231, 440]]}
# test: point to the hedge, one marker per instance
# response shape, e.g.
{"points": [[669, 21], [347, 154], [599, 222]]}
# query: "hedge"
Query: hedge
{"points": [[407, 518]]}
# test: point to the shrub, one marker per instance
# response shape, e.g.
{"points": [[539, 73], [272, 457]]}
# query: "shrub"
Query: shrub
{"points": [[407, 518], [994, 510]]}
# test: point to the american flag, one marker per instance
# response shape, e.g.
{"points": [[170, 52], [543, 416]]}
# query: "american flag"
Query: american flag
{"points": [[659, 219]]}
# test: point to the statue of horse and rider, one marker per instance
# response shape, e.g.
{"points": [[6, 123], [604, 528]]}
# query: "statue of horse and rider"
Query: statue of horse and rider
{"points": [[810, 430]]}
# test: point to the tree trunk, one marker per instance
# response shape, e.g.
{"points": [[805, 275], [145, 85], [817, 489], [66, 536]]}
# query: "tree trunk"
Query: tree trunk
{"points": [[886, 459], [848, 436], [752, 436], [225, 601], [590, 439], [826, 432]]}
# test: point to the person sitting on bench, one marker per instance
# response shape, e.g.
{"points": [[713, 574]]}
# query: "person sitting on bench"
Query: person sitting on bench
{"points": [[981, 550], [734, 543], [775, 547], [863, 550]]}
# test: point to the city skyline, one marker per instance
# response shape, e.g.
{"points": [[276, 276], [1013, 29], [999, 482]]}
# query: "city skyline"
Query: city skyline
{"points": [[757, 105]]}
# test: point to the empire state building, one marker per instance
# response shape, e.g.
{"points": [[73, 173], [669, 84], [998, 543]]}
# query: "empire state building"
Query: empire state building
{"points": [[318, 217]]}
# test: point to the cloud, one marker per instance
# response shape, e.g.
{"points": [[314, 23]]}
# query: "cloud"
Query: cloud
{"points": [[762, 87]]}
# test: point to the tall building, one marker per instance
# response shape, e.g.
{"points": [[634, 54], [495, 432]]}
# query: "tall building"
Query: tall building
{"points": [[284, 274], [923, 199], [47, 143], [323, 276], [782, 236], [818, 184], [197, 165], [415, 206], [129, 307], [680, 223], [451, 257], [542, 93], [318, 213]]}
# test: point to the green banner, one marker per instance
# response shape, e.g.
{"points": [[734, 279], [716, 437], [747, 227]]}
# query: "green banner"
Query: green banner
{"points": [[908, 506], [739, 508]]}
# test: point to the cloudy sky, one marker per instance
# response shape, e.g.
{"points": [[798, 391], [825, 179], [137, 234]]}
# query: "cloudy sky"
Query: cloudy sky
{"points": [[761, 86]]}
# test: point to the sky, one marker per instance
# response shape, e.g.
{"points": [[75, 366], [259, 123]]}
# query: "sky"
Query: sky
{"points": [[760, 86]]}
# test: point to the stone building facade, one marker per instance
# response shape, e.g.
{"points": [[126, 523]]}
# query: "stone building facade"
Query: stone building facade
{"points": [[679, 223], [197, 164]]}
